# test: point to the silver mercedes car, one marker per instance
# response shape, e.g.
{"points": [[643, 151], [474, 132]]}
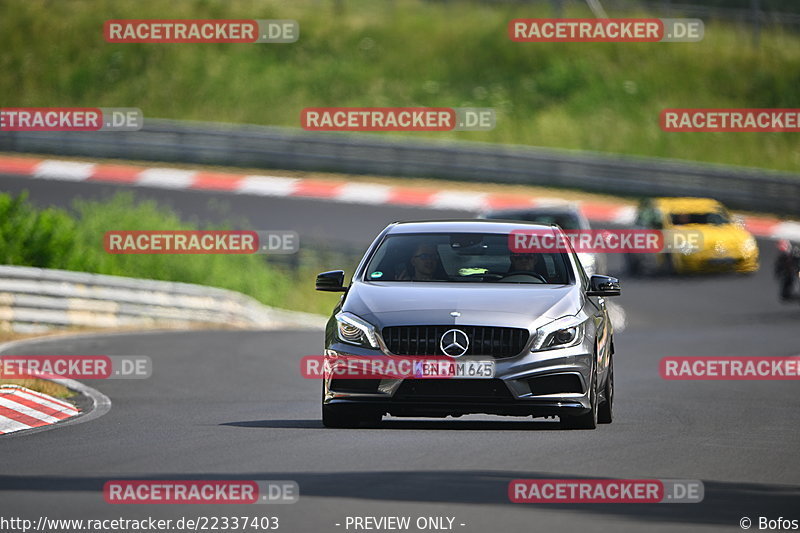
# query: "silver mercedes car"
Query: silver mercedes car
{"points": [[526, 333]]}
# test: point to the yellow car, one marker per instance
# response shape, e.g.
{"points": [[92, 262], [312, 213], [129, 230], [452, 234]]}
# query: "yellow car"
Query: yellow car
{"points": [[725, 245]]}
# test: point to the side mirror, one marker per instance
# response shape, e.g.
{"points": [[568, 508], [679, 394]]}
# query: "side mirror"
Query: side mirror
{"points": [[332, 281], [603, 286]]}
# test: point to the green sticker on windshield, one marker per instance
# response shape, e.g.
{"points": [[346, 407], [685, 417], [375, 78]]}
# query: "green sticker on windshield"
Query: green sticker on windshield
{"points": [[376, 274]]}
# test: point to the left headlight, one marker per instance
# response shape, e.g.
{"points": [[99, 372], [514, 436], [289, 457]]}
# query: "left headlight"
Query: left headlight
{"points": [[562, 333], [688, 248], [354, 330]]}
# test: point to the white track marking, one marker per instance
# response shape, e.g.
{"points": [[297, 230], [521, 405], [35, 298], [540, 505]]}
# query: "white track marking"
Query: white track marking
{"points": [[625, 215], [54, 169], [464, 201], [52, 403], [8, 425], [787, 230], [167, 178], [267, 185], [28, 411], [364, 193]]}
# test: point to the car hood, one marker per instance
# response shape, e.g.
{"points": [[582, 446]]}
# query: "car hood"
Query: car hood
{"points": [[424, 303], [729, 236]]}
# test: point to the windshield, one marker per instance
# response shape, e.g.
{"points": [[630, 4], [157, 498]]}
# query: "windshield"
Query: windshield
{"points": [[715, 218], [459, 257]]}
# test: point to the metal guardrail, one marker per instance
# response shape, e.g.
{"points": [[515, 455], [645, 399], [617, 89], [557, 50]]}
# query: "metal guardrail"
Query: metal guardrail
{"points": [[33, 299], [286, 148]]}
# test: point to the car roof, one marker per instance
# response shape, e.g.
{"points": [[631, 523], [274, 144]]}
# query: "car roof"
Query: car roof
{"points": [[463, 226], [687, 204]]}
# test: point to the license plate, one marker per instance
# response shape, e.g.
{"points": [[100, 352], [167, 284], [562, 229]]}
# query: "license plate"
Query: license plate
{"points": [[455, 369]]}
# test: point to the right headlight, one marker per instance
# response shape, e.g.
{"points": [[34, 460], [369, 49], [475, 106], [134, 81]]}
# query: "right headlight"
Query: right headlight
{"points": [[354, 330], [561, 333], [749, 246]]}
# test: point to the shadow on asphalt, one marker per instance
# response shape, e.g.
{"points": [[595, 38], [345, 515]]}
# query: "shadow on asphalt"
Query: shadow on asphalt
{"points": [[394, 423], [724, 504]]}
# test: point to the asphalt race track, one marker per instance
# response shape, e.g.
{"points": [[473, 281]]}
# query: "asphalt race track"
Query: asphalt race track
{"points": [[232, 405]]}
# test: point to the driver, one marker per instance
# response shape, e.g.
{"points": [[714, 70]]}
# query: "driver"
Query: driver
{"points": [[528, 262]]}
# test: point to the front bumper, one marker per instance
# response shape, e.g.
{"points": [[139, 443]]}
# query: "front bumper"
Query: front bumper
{"points": [[547, 383], [710, 262]]}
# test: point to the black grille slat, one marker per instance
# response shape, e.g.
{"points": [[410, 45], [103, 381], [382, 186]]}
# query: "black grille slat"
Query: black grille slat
{"points": [[497, 342]]}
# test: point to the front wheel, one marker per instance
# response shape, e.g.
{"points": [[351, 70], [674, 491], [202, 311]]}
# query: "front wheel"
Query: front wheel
{"points": [[587, 420], [605, 413]]}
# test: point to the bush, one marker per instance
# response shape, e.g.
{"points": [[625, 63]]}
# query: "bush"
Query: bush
{"points": [[54, 238]]}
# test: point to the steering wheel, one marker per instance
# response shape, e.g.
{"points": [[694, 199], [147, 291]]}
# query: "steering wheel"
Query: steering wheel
{"points": [[525, 273]]}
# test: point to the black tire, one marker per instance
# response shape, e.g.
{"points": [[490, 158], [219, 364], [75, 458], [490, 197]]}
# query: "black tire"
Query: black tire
{"points": [[347, 416], [587, 420], [605, 414]]}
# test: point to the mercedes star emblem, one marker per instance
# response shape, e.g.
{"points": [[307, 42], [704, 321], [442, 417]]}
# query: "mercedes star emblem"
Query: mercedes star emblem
{"points": [[454, 343]]}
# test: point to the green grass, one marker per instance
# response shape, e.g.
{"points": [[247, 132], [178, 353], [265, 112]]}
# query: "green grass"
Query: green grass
{"points": [[54, 238], [604, 97]]}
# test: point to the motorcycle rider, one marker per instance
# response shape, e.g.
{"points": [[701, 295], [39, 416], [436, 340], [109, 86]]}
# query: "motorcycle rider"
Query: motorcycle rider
{"points": [[787, 266]]}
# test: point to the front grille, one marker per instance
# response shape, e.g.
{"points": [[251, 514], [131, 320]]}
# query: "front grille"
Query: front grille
{"points": [[483, 340], [452, 390]]}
